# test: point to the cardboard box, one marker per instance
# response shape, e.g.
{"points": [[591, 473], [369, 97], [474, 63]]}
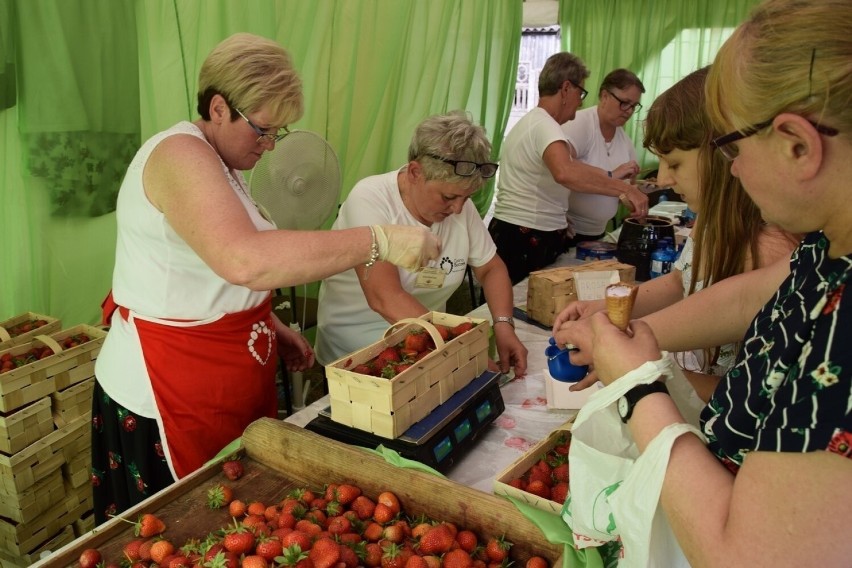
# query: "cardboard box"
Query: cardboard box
{"points": [[521, 465], [552, 289], [388, 407]]}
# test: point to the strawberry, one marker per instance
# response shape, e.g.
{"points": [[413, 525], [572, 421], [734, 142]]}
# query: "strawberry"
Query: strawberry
{"points": [[256, 508], [239, 539], [297, 538], [389, 499], [497, 549], [372, 555], [293, 555], [237, 508], [177, 561], [437, 540], [443, 330], [324, 553], [539, 488], [461, 328], [254, 561], [145, 550], [467, 540], [393, 556], [393, 533], [363, 506], [536, 562], [432, 561], [373, 532], [149, 525], [268, 547], [559, 492], [518, 483], [89, 558], [286, 520], [389, 354], [560, 472], [339, 525], [219, 495], [233, 469], [416, 561], [131, 549], [401, 367], [417, 341], [363, 369], [346, 493], [457, 558], [160, 550], [330, 490], [539, 475], [349, 557]]}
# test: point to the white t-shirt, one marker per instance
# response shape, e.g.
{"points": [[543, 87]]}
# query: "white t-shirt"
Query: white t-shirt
{"points": [[590, 212], [345, 322], [527, 194]]}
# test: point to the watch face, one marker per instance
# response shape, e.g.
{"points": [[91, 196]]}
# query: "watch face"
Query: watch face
{"points": [[623, 406]]}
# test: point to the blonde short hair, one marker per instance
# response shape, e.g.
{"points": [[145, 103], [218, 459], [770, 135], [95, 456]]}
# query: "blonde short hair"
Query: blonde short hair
{"points": [[251, 72], [453, 136], [788, 56]]}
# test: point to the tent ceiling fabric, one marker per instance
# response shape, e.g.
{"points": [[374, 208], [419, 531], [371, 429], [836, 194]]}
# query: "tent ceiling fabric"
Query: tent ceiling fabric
{"points": [[541, 13]]}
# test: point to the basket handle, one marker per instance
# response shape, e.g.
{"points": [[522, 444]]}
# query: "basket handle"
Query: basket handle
{"points": [[4, 335], [50, 342], [431, 329]]}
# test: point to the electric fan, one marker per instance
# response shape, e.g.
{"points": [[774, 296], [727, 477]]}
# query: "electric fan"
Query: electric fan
{"points": [[297, 185]]}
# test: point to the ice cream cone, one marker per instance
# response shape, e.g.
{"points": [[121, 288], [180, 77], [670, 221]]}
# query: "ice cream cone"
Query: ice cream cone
{"points": [[619, 303]]}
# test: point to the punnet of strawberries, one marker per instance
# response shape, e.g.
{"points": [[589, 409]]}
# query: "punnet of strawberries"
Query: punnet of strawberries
{"points": [[25, 327], [8, 361], [395, 359], [548, 477], [335, 527]]}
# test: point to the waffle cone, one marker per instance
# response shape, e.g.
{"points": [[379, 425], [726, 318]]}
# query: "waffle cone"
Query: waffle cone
{"points": [[619, 303]]}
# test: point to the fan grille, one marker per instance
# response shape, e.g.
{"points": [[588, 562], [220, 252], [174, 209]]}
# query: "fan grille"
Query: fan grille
{"points": [[298, 182]]}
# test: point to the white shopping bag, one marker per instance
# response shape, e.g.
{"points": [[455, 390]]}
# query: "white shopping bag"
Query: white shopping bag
{"points": [[615, 492]]}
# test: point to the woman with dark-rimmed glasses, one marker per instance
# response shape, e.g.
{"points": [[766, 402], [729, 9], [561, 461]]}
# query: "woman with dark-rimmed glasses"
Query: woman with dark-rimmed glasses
{"points": [[449, 159], [770, 485]]}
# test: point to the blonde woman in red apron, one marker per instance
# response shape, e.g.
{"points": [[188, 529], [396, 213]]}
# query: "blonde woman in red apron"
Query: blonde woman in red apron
{"points": [[192, 352]]}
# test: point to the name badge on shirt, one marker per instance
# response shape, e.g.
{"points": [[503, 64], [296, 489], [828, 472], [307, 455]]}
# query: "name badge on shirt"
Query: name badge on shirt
{"points": [[430, 277]]}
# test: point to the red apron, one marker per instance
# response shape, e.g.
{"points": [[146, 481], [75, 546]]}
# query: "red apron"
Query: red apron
{"points": [[210, 380]]}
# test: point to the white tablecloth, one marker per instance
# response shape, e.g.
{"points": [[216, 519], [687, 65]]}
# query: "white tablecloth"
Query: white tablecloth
{"points": [[526, 419]]}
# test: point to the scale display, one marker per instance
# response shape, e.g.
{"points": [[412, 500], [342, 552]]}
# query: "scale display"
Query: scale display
{"points": [[439, 439]]}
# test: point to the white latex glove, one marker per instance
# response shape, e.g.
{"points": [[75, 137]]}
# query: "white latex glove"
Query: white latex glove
{"points": [[407, 247]]}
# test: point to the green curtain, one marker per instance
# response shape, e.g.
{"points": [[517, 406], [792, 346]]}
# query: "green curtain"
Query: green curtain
{"points": [[659, 40], [94, 74]]}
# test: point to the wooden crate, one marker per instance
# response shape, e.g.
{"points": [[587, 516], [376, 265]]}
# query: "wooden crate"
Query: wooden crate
{"points": [[551, 290], [388, 407], [23, 539], [30, 504], [7, 341], [77, 451], [84, 524], [23, 427], [31, 382], [8, 560], [73, 402], [279, 457], [520, 466], [24, 469]]}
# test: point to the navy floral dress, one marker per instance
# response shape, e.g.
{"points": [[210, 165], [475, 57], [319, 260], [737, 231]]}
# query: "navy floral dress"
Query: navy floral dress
{"points": [[791, 388]]}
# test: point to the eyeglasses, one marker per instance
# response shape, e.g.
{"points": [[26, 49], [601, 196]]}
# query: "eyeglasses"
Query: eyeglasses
{"points": [[261, 134], [625, 105], [583, 92], [726, 143], [466, 169]]}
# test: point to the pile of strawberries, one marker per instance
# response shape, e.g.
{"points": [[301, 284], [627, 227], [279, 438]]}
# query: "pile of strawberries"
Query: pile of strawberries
{"points": [[336, 528], [548, 477], [9, 361], [25, 326], [395, 359]]}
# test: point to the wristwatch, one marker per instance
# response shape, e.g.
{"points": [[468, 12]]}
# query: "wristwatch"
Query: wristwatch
{"points": [[634, 395], [507, 319]]}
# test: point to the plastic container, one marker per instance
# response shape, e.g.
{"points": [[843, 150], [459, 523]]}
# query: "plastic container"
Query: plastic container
{"points": [[560, 366]]}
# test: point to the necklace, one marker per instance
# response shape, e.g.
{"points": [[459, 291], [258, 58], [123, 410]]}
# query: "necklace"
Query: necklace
{"points": [[608, 145]]}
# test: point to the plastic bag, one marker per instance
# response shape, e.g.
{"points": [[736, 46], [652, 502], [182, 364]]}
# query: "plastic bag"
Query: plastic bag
{"points": [[615, 492]]}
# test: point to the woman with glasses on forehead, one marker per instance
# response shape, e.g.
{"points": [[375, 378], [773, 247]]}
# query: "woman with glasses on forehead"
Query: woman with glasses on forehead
{"points": [[192, 352], [596, 137], [449, 158], [538, 174], [770, 484]]}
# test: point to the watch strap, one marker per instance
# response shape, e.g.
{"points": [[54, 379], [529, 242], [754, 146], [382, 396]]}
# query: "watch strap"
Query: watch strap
{"points": [[505, 319], [637, 393]]}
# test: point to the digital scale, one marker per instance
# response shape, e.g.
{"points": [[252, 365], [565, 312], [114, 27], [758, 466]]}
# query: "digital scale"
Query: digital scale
{"points": [[439, 439]]}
